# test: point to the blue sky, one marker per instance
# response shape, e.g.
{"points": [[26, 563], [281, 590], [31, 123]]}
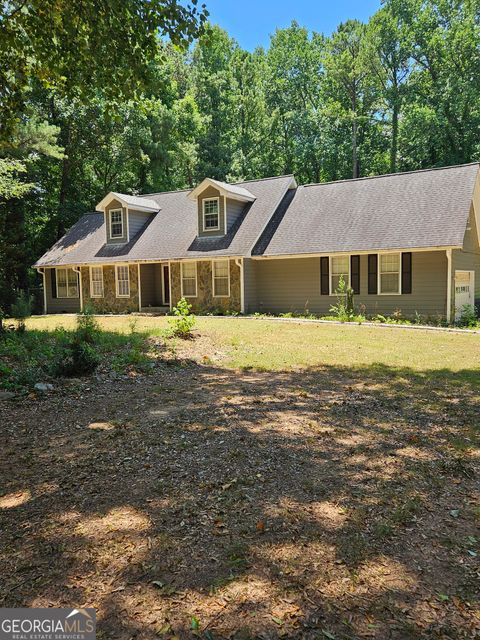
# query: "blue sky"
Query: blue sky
{"points": [[251, 22]]}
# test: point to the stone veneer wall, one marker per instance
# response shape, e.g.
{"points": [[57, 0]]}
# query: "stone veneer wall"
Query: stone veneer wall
{"points": [[205, 300], [110, 303]]}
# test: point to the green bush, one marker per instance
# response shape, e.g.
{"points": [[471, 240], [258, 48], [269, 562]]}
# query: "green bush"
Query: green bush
{"points": [[468, 316], [88, 328], [182, 323], [80, 354], [344, 310], [79, 358], [22, 309]]}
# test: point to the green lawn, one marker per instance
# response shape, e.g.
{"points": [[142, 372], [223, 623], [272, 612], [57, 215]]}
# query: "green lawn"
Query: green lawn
{"points": [[270, 345]]}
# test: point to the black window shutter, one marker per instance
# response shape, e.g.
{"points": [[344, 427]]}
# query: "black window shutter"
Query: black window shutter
{"points": [[54, 283], [324, 276], [355, 273], [407, 272], [372, 273]]}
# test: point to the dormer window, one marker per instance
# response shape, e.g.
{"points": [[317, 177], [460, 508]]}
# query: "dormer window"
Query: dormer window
{"points": [[116, 223], [211, 214]]}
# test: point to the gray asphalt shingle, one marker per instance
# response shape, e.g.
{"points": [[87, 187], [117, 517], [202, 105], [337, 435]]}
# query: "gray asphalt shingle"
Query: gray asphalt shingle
{"points": [[404, 210], [419, 209]]}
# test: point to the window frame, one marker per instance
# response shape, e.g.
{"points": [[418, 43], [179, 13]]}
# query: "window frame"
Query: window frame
{"points": [[117, 281], [331, 274], [204, 227], [121, 235], [380, 272], [92, 293], [184, 295], [67, 297], [221, 295]]}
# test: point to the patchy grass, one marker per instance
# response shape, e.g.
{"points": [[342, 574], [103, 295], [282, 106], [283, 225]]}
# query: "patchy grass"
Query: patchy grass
{"points": [[269, 345], [331, 492], [35, 356]]}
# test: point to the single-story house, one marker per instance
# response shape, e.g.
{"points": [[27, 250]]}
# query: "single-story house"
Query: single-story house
{"points": [[405, 241]]}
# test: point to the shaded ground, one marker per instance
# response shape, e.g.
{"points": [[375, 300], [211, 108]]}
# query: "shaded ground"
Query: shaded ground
{"points": [[199, 500]]}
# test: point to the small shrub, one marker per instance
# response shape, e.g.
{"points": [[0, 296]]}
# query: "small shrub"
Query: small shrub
{"points": [[22, 309], [87, 326], [80, 354], [80, 358], [344, 310], [182, 323], [468, 316]]}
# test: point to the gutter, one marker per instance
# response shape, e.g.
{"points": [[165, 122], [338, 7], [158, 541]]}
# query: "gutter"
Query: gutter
{"points": [[239, 263], [44, 276], [79, 271]]}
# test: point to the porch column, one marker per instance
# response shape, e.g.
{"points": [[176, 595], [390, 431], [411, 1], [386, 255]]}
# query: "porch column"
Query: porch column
{"points": [[449, 285]]}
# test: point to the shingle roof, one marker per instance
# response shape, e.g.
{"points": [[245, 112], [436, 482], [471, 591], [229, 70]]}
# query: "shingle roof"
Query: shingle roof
{"points": [[131, 201], [172, 232], [417, 209]]}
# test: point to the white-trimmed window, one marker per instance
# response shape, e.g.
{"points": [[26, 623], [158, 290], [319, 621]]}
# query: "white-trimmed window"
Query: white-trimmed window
{"points": [[116, 223], [339, 268], [389, 272], [211, 214], [221, 278], [122, 277], [189, 279], [96, 282], [67, 283]]}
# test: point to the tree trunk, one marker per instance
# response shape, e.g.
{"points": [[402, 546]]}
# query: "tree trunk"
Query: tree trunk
{"points": [[64, 185], [394, 143], [355, 164]]}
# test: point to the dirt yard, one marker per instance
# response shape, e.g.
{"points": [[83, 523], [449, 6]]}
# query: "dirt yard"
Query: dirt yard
{"points": [[201, 500]]}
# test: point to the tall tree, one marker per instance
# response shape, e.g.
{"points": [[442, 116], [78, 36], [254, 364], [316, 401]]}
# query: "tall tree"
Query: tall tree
{"points": [[351, 86], [83, 47]]}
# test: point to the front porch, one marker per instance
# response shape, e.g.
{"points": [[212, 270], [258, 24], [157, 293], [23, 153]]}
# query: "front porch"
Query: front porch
{"points": [[154, 287]]}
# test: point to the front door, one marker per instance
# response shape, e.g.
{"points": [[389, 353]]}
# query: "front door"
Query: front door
{"points": [[166, 283], [464, 291]]}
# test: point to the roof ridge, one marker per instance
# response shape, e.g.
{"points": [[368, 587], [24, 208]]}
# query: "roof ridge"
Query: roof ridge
{"points": [[161, 193], [285, 175], [390, 175]]}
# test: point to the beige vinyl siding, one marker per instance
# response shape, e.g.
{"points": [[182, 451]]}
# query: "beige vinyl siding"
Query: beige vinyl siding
{"points": [[250, 291], [468, 258], [151, 284], [115, 204], [211, 192], [59, 305], [137, 221], [234, 211], [293, 284]]}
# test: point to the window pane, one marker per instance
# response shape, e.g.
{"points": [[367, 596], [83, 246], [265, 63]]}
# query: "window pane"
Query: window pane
{"points": [[72, 284], [62, 283], [123, 284], [97, 282], [189, 287], [116, 223], [220, 269], [210, 206], [340, 265], [336, 282], [389, 283], [390, 262], [189, 269], [221, 287]]}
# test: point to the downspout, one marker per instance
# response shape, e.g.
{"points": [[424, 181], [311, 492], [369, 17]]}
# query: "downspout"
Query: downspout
{"points": [[139, 286], [42, 271], [239, 263], [79, 271], [170, 304], [449, 286]]}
